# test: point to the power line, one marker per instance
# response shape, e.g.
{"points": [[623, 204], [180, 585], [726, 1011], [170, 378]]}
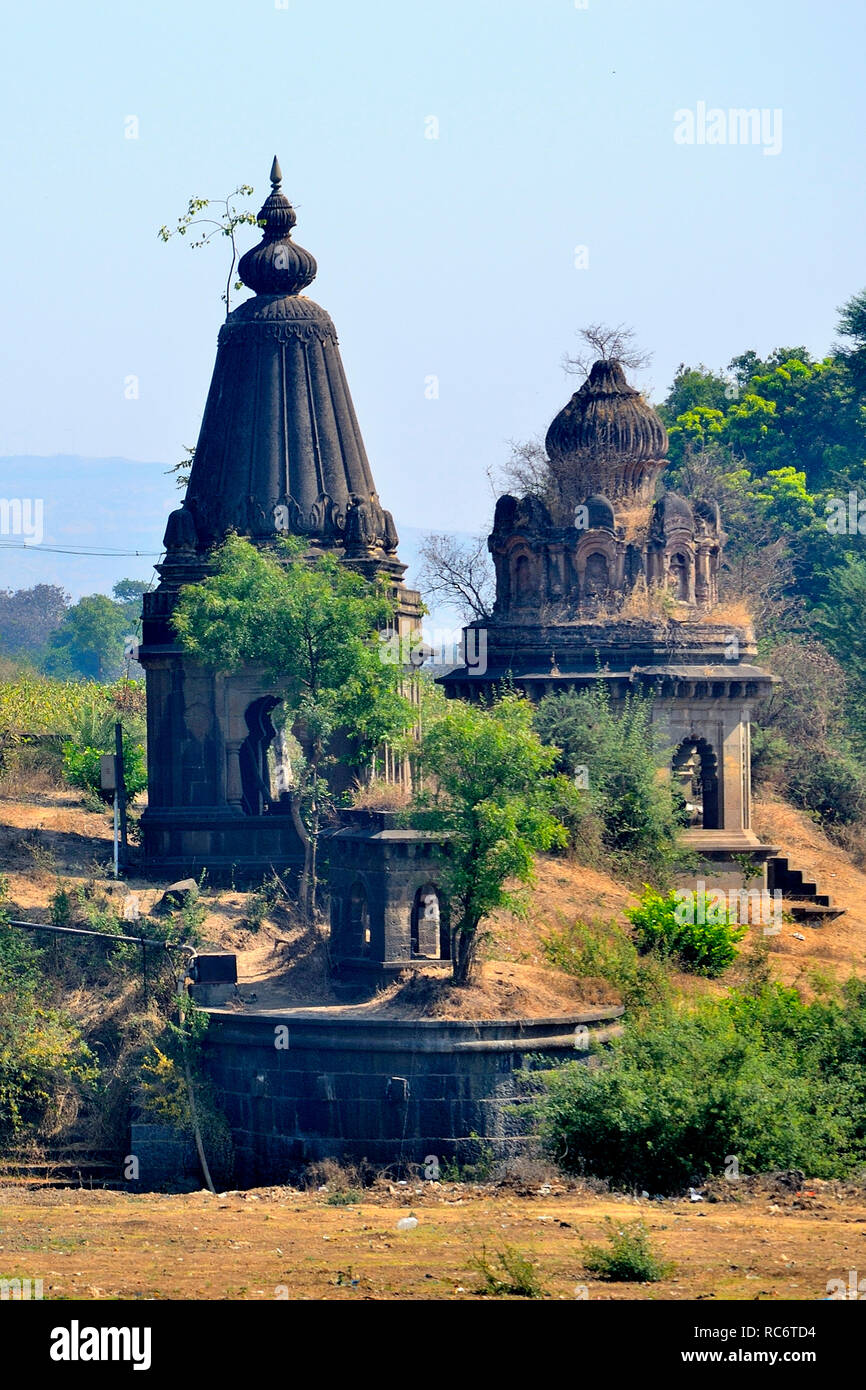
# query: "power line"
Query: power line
{"points": [[106, 553]]}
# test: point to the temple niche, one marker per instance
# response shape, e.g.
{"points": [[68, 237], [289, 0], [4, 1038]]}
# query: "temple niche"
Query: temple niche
{"points": [[609, 576], [280, 453]]}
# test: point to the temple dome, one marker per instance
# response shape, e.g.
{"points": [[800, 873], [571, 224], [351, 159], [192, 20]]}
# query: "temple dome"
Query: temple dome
{"points": [[277, 265], [607, 439]]}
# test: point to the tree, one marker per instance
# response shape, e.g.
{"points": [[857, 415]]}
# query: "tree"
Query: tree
{"points": [[494, 795], [618, 754], [852, 326], [459, 574], [183, 468], [312, 627], [130, 592], [28, 617], [613, 344], [224, 224], [90, 640]]}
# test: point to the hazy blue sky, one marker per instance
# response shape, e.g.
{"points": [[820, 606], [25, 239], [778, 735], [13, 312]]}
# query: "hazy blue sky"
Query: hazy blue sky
{"points": [[451, 257]]}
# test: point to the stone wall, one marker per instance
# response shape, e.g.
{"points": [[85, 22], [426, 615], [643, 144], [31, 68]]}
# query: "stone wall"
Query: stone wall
{"points": [[301, 1086]]}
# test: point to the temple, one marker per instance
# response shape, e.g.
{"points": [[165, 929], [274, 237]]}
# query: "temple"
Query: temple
{"points": [[600, 578], [280, 452]]}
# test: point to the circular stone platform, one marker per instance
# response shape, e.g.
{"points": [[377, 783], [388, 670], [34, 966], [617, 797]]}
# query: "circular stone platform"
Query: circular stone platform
{"points": [[299, 1085]]}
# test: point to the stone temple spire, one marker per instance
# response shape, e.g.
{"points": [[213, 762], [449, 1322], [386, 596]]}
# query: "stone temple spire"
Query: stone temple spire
{"points": [[280, 448], [280, 451]]}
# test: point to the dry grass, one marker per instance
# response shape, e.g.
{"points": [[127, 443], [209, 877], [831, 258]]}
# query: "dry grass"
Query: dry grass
{"points": [[379, 795], [732, 613], [283, 1243]]}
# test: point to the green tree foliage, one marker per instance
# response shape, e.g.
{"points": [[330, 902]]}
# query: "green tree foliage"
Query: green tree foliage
{"points": [[638, 810], [312, 627], [852, 328], [28, 617], [90, 640], [765, 1077], [129, 593], [780, 442], [492, 790], [81, 766]]}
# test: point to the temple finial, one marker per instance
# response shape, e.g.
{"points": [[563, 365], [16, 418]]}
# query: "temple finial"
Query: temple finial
{"points": [[277, 265]]}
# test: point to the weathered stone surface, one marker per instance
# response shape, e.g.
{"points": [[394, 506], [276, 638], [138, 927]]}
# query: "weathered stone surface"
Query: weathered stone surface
{"points": [[177, 895], [390, 1090]]}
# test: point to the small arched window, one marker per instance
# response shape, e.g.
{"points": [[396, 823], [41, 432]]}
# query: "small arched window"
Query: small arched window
{"points": [[679, 576], [596, 574], [359, 921], [429, 930], [522, 579]]}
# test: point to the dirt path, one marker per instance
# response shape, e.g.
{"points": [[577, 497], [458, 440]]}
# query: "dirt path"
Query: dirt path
{"points": [[279, 1242]]}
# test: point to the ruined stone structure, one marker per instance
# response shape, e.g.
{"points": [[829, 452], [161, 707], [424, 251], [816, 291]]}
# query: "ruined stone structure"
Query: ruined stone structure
{"points": [[280, 452], [602, 579], [389, 1090], [388, 909]]}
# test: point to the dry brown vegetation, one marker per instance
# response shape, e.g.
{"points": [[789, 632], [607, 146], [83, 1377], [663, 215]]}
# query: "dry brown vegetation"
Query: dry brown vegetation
{"points": [[757, 1240]]}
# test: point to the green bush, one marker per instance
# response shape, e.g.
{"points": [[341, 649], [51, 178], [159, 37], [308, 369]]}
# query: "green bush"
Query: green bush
{"points": [[45, 1065], [510, 1272], [605, 951], [638, 813], [81, 766], [830, 785], [628, 1256], [705, 947], [765, 1077]]}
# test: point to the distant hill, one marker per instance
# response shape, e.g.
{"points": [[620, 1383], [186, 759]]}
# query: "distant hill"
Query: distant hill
{"points": [[108, 504]]}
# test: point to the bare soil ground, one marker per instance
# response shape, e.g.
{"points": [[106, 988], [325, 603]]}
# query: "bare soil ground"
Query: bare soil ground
{"points": [[761, 1243], [54, 836]]}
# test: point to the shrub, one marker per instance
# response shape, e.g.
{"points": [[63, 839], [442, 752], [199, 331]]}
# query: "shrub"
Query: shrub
{"points": [[830, 786], [706, 947], [509, 1272], [764, 1076], [45, 1064], [637, 811], [628, 1257], [81, 766], [604, 951]]}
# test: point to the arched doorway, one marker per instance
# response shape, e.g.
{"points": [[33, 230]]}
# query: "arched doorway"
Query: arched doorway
{"points": [[678, 576], [253, 756], [429, 931], [360, 936], [696, 773]]}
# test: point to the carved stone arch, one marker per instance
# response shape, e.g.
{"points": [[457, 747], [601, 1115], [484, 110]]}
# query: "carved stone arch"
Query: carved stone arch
{"points": [[695, 766]]}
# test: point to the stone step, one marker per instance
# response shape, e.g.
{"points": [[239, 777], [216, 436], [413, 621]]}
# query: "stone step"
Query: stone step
{"points": [[811, 913]]}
